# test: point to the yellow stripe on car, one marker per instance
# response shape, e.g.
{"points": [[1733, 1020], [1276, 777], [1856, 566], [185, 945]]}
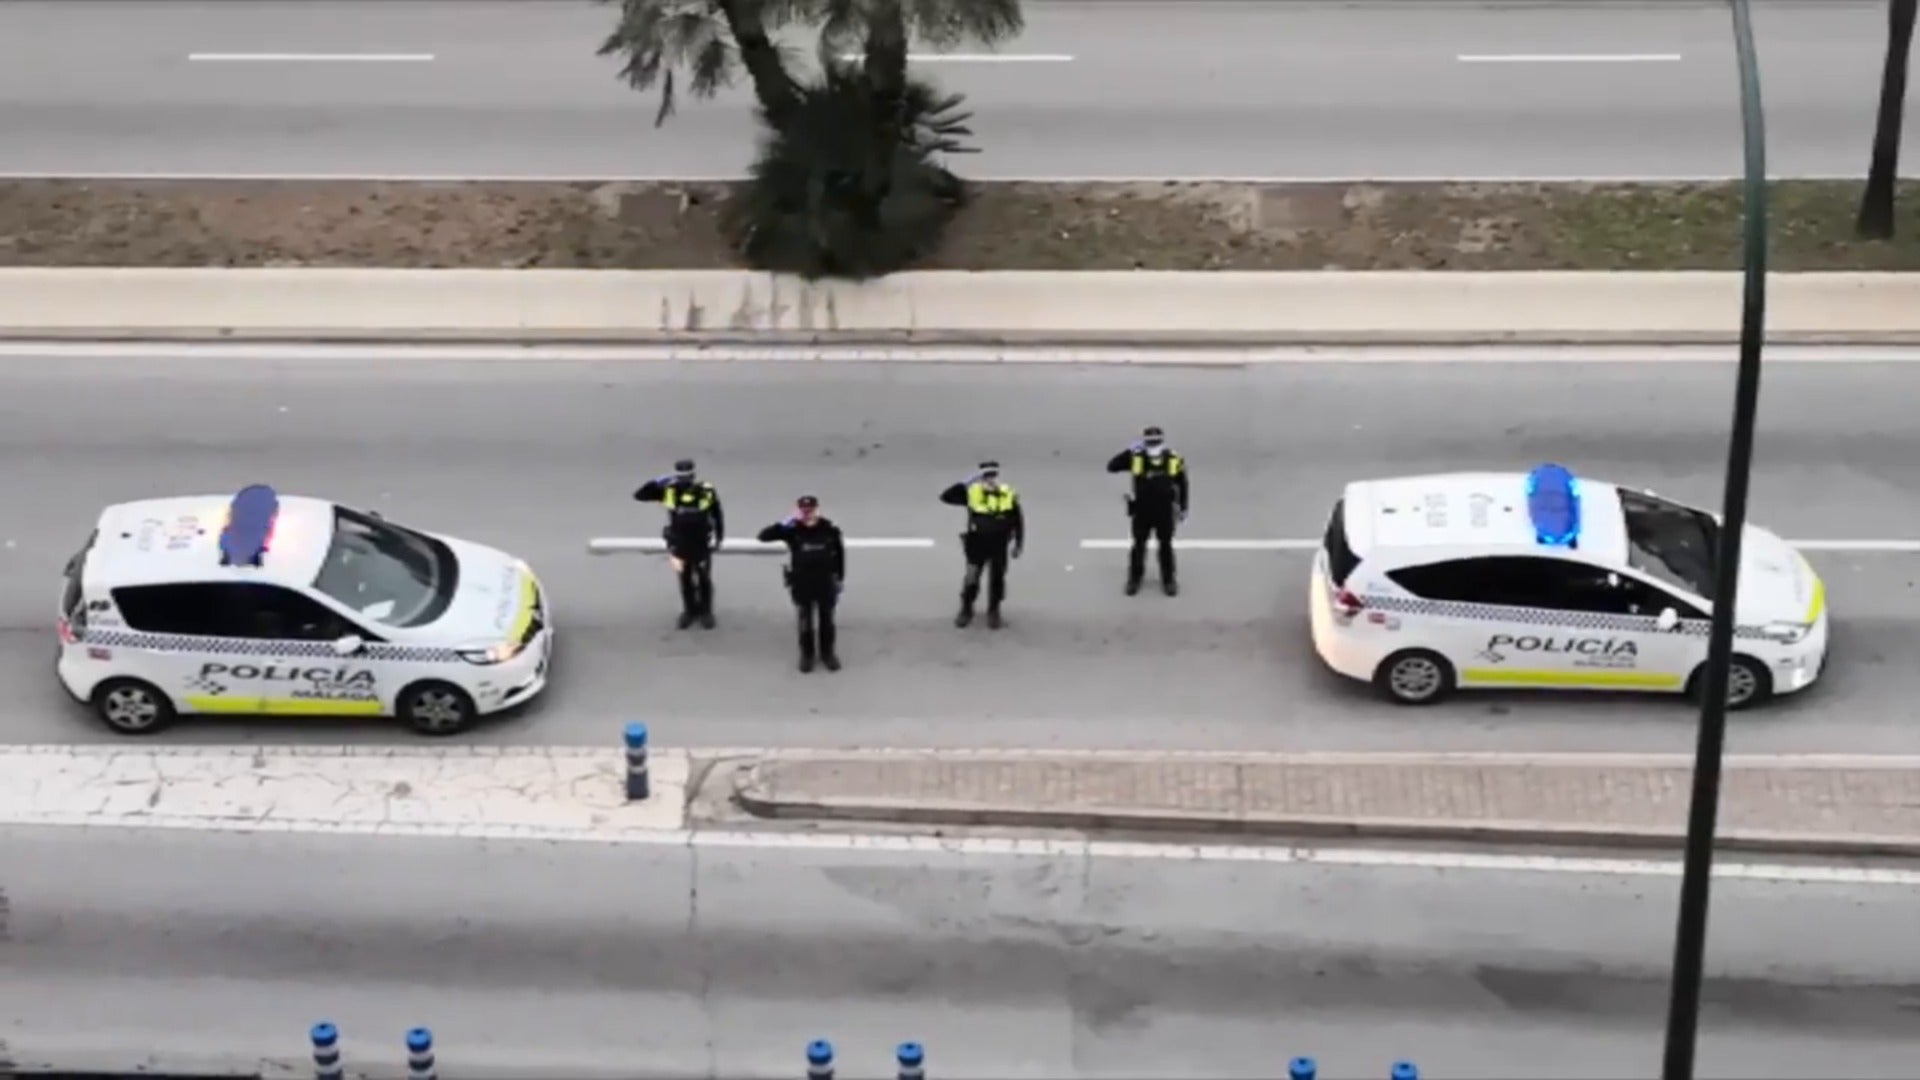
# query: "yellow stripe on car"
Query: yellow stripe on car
{"points": [[284, 706], [528, 594], [1819, 602], [1620, 680]]}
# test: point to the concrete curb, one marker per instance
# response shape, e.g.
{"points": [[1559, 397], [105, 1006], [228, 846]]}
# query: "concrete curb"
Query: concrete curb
{"points": [[1515, 833], [751, 785], [1011, 307]]}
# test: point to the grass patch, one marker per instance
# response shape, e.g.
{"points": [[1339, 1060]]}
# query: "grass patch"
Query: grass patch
{"points": [[1024, 226]]}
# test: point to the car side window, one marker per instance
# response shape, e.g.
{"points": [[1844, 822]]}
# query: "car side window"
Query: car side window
{"points": [[231, 610], [200, 610], [1506, 581], [282, 614]]}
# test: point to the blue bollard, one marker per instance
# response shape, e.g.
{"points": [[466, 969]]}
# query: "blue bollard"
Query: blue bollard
{"points": [[326, 1051], [420, 1054], [638, 786], [819, 1060], [1405, 1070], [1302, 1068], [913, 1061]]}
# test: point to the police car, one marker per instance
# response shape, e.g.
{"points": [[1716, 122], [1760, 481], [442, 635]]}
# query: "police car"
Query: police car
{"points": [[263, 604], [1540, 579]]}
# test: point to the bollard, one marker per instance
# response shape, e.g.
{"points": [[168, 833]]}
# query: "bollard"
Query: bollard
{"points": [[1405, 1070], [1302, 1068], [913, 1061], [326, 1051], [420, 1054], [819, 1060], [638, 786]]}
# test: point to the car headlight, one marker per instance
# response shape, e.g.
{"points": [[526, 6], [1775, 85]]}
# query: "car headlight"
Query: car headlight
{"points": [[1787, 633], [498, 654]]}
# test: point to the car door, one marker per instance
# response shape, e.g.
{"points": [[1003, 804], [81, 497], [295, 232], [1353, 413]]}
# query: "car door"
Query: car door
{"points": [[185, 639], [300, 671], [1583, 627]]}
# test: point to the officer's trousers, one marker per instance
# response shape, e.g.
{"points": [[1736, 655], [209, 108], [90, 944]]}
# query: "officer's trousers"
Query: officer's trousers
{"points": [[985, 552], [696, 577], [813, 607], [1156, 522]]}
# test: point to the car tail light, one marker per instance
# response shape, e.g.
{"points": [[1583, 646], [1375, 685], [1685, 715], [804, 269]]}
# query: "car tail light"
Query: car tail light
{"points": [[67, 636], [1346, 603]]}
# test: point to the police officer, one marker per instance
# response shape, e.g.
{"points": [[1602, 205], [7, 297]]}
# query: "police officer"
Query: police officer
{"points": [[816, 572], [1158, 502], [696, 525], [996, 528]]}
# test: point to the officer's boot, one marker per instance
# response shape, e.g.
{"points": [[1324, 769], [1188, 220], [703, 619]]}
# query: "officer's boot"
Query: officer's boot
{"points": [[686, 619], [806, 643], [969, 592], [994, 621]]}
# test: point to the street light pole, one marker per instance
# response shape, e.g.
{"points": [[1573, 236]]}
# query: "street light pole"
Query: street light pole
{"points": [[1690, 938]]}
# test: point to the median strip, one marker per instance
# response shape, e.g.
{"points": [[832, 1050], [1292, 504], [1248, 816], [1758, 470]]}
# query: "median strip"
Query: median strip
{"points": [[1789, 806]]}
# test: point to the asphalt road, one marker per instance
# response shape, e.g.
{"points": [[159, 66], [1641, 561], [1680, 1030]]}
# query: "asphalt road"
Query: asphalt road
{"points": [[186, 950], [540, 456], [1176, 88]]}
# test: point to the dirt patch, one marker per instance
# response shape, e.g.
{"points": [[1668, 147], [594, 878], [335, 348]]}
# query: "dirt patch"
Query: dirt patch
{"points": [[1028, 226]]}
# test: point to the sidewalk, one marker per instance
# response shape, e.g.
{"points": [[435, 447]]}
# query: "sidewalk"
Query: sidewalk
{"points": [[1856, 805]]}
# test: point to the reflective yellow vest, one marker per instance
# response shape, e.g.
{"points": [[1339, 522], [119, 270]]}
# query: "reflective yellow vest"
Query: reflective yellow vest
{"points": [[990, 503]]}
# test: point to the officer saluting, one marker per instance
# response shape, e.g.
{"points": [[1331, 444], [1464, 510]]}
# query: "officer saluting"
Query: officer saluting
{"points": [[816, 571], [1157, 504], [696, 525], [996, 527]]}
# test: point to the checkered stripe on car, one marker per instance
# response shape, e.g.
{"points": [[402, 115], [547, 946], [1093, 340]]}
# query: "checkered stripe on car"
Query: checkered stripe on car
{"points": [[134, 639], [1571, 620]]}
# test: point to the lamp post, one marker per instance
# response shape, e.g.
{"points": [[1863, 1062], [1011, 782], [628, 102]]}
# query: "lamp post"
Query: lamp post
{"points": [[1690, 938]]}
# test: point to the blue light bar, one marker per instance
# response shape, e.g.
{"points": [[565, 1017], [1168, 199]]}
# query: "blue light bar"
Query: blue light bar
{"points": [[1553, 502], [249, 526]]}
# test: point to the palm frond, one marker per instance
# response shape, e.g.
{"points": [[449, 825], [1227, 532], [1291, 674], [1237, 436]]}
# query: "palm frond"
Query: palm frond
{"points": [[660, 37], [943, 23]]}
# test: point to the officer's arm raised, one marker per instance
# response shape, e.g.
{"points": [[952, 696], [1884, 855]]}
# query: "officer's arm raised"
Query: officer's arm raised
{"points": [[955, 494], [776, 533], [651, 491], [1121, 461]]}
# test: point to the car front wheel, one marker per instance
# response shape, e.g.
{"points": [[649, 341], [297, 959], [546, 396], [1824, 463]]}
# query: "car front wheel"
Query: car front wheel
{"points": [[1749, 683], [132, 707], [437, 708], [1414, 677]]}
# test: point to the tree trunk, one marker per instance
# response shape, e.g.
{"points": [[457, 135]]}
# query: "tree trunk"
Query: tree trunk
{"points": [[886, 72], [773, 87], [1876, 204]]}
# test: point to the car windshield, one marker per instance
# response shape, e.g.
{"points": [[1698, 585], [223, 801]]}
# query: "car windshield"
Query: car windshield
{"points": [[1674, 543], [388, 574]]}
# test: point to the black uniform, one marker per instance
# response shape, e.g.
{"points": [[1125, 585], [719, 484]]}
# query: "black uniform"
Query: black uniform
{"points": [[696, 525], [1157, 505], [816, 570], [996, 527]]}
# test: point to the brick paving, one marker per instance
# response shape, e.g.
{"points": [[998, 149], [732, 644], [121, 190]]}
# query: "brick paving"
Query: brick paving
{"points": [[1879, 802]]}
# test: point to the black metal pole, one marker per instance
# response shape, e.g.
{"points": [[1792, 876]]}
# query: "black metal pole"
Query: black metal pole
{"points": [[1690, 939]]}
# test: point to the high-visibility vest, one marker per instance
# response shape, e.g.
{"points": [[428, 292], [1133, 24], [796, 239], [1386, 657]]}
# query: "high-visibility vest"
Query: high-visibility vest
{"points": [[984, 503], [695, 499], [1168, 464]]}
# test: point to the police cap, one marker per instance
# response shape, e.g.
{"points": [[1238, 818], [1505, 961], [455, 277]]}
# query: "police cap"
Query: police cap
{"points": [[807, 502], [684, 466]]}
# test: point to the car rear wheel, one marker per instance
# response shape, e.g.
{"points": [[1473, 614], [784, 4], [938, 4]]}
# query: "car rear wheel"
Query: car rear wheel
{"points": [[1414, 677], [132, 707], [437, 708], [1749, 683]]}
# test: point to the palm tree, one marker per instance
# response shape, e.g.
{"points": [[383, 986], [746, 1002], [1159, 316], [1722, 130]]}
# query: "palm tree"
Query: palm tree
{"points": [[1876, 205], [849, 183]]}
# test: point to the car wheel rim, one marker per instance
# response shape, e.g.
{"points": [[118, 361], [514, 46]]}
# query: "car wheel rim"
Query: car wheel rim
{"points": [[132, 708], [438, 710], [1740, 685], [1415, 679]]}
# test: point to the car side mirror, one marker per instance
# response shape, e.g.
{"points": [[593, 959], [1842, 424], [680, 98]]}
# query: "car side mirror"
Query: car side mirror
{"points": [[348, 645], [1668, 619]]}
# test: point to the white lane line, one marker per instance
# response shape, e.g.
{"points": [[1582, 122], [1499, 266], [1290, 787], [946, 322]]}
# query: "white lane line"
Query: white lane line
{"points": [[979, 58], [1858, 546], [1185, 544], [1568, 58], [653, 545], [310, 58]]}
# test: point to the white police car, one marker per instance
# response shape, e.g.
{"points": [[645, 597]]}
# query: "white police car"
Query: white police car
{"points": [[263, 604], [1428, 583]]}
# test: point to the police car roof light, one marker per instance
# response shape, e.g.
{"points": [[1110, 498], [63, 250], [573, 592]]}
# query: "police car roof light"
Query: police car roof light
{"points": [[1553, 503], [249, 528]]}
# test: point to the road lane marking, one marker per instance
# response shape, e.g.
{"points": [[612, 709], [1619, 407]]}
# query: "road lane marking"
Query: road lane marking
{"points": [[1568, 58], [979, 58], [1300, 544], [653, 545], [310, 58], [1185, 544]]}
